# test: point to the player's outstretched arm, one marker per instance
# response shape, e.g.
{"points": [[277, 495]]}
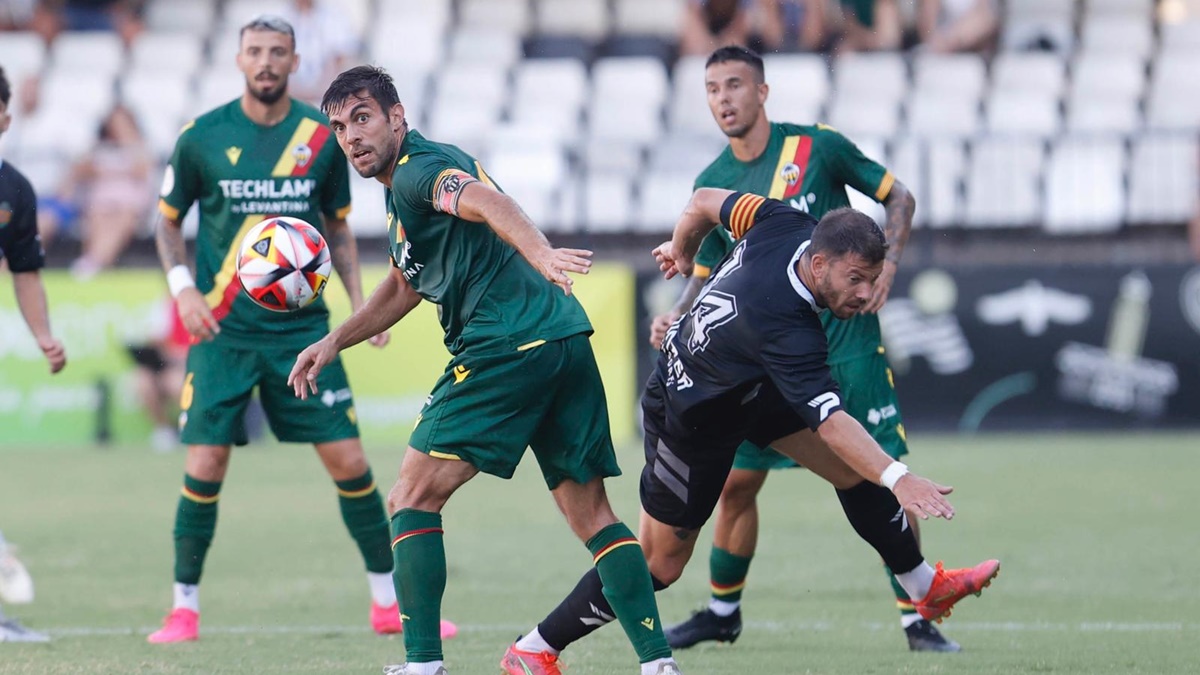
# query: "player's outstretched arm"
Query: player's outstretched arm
{"points": [[849, 441], [343, 252], [481, 203], [898, 209], [31, 298], [699, 217], [194, 311], [391, 301]]}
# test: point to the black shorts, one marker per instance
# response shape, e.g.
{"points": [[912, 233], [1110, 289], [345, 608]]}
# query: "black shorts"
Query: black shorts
{"points": [[686, 467]]}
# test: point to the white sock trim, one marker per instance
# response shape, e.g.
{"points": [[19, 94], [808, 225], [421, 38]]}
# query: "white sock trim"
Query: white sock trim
{"points": [[907, 620], [187, 596], [534, 642], [427, 668], [723, 608], [916, 582], [651, 667], [383, 591]]}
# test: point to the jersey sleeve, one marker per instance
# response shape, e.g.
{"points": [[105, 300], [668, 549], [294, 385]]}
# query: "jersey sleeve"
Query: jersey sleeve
{"points": [[743, 210], [23, 246], [431, 183], [851, 167], [716, 245], [181, 179], [794, 358], [335, 194]]}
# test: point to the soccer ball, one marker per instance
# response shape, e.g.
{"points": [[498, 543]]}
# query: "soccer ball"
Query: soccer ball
{"points": [[283, 264]]}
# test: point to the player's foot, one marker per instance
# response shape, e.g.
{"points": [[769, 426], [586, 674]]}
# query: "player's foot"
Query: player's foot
{"points": [[924, 637], [950, 586], [386, 620], [11, 630], [705, 625], [517, 662], [16, 586], [410, 669], [181, 625]]}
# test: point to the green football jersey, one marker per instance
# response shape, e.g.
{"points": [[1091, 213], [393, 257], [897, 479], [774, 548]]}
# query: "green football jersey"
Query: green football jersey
{"points": [[808, 167], [489, 298], [242, 173]]}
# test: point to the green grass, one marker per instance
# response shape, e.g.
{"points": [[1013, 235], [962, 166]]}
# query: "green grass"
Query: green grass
{"points": [[1097, 535]]}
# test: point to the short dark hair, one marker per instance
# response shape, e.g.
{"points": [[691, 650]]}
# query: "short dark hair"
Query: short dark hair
{"points": [[847, 231], [271, 23], [373, 79], [738, 53], [5, 90]]}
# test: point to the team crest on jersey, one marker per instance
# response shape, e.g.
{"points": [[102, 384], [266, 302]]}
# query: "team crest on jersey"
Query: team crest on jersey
{"points": [[302, 154], [790, 173], [233, 153], [5, 214]]}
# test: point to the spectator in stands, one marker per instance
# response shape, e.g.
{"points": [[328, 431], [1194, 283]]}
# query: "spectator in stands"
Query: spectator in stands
{"points": [[326, 44], [947, 26], [870, 25], [119, 16], [160, 369], [16, 14], [708, 24], [110, 186], [790, 25]]}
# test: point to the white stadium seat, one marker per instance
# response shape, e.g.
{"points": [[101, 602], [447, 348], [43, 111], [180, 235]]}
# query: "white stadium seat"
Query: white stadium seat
{"points": [[178, 54], [24, 53], [560, 81], [89, 94], [414, 43], [239, 12], [607, 156], [484, 46], [661, 198], [180, 16], [946, 168], [511, 16], [1084, 190], [879, 76], [1098, 116], [1118, 34], [608, 202], [472, 84], [217, 86], [649, 17], [957, 75], [368, 208], [1135, 9], [929, 117], [1163, 175], [1003, 183], [799, 87], [1180, 37], [100, 54], [1028, 72], [858, 117], [1023, 114], [634, 77], [582, 18], [159, 101]]}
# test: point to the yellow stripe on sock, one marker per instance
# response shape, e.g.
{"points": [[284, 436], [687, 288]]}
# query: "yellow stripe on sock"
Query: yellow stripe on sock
{"points": [[614, 546], [728, 590], [355, 494], [906, 606], [198, 498]]}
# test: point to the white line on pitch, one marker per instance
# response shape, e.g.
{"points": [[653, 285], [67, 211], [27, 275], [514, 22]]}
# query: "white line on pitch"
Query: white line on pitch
{"points": [[765, 626]]}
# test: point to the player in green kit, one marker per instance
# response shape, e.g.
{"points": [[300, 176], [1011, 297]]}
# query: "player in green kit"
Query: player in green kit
{"points": [[261, 155], [809, 168], [522, 373]]}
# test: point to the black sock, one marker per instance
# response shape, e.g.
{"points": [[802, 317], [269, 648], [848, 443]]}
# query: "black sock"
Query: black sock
{"points": [[583, 611], [879, 520]]}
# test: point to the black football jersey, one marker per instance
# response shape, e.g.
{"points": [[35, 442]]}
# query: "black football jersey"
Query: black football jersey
{"points": [[19, 240], [754, 325]]}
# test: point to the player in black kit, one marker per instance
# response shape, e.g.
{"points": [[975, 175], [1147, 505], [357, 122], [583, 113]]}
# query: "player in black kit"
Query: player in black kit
{"points": [[747, 362]]}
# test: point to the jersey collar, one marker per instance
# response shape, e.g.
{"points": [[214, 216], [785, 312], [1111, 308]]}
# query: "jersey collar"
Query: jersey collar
{"points": [[798, 285]]}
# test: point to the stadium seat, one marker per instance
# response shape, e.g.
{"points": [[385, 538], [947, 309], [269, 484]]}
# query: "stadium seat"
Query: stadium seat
{"points": [[178, 54], [1108, 76], [44, 170], [582, 18], [24, 53], [947, 165], [661, 198], [1134, 9], [90, 95], [947, 117], [1174, 99], [159, 102], [519, 136], [100, 54], [567, 209], [1028, 72], [216, 86], [540, 204], [1180, 37], [59, 131], [1100, 116], [414, 43], [564, 81], [435, 14], [1118, 34], [1084, 189], [961, 76], [1003, 182], [606, 156], [368, 207], [543, 166], [494, 47], [480, 85], [648, 17], [511, 16], [559, 47], [799, 87], [607, 202], [688, 109], [467, 126], [238, 12], [1038, 24], [878, 76], [627, 99], [685, 153], [1163, 175], [1022, 113], [859, 117], [554, 123], [650, 46], [180, 16]]}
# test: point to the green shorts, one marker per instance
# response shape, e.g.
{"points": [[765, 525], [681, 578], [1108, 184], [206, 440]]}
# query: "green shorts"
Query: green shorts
{"points": [[486, 409], [219, 382], [868, 395]]}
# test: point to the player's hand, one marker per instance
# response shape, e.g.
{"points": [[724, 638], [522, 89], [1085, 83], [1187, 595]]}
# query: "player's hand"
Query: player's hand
{"points": [[923, 497], [659, 326], [381, 340], [879, 291], [54, 352], [303, 378], [671, 262], [196, 316], [554, 263]]}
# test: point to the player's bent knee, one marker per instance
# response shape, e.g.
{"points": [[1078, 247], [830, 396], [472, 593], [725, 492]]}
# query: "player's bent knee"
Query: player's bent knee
{"points": [[207, 462]]}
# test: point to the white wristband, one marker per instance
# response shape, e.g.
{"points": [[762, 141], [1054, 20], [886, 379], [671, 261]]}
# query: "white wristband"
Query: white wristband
{"points": [[894, 472], [179, 278]]}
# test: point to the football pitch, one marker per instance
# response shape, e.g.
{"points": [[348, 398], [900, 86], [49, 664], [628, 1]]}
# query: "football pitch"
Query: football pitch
{"points": [[1097, 535]]}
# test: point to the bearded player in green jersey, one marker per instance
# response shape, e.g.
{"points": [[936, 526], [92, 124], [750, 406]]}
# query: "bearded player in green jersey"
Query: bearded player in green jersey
{"points": [[261, 155], [522, 372], [808, 167]]}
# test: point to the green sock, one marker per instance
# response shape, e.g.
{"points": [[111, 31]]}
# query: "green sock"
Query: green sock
{"points": [[420, 578], [362, 512], [195, 523], [727, 573], [627, 586], [903, 602]]}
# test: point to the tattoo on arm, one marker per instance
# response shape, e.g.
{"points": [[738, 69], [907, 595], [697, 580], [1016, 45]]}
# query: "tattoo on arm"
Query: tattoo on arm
{"points": [[898, 208], [343, 252], [168, 239]]}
